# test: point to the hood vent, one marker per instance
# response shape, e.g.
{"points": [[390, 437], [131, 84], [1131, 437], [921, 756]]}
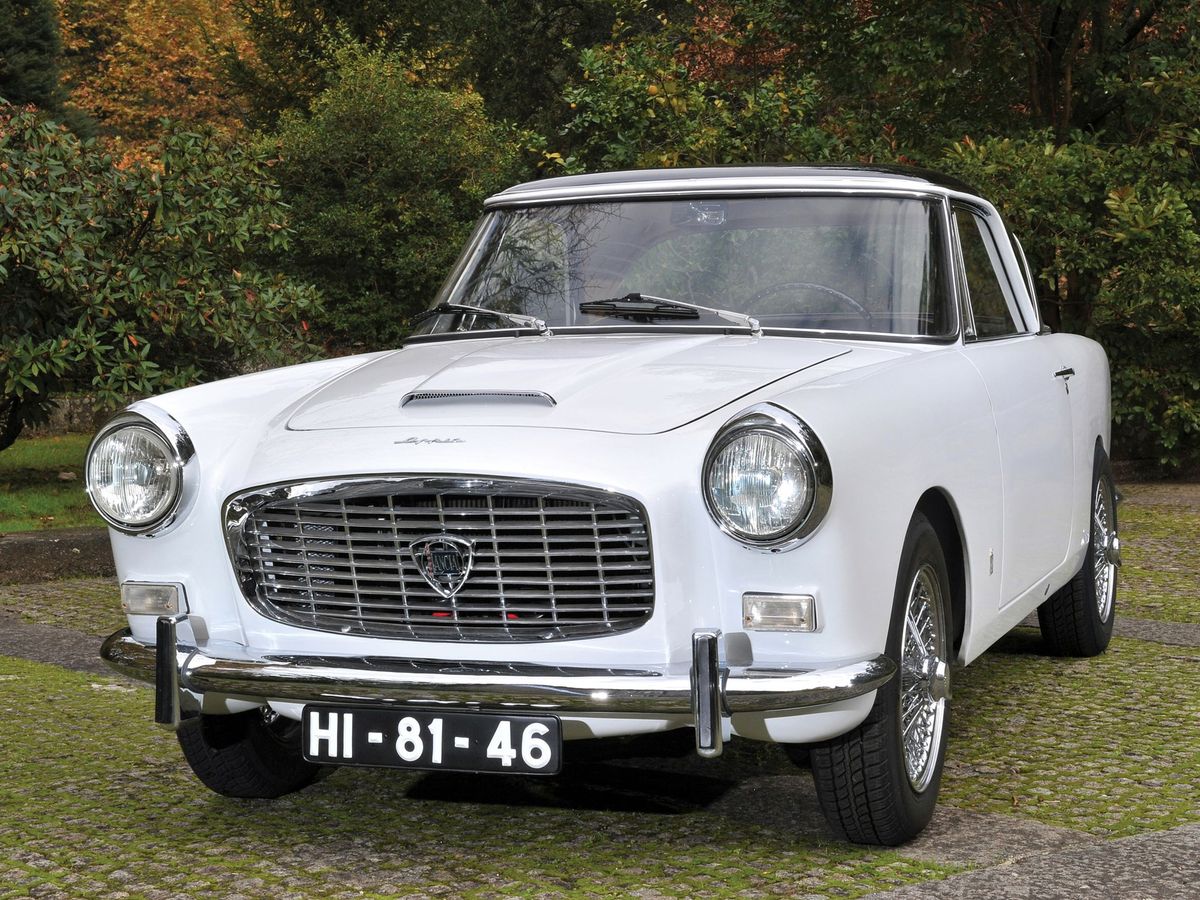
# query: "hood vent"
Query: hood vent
{"points": [[537, 398]]}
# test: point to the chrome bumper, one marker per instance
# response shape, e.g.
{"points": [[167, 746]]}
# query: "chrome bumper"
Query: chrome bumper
{"points": [[708, 691]]}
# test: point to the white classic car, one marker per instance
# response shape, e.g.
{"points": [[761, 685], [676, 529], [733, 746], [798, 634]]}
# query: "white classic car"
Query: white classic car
{"points": [[760, 452]]}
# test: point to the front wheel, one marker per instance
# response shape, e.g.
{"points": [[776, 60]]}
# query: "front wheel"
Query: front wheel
{"points": [[249, 754], [878, 784]]}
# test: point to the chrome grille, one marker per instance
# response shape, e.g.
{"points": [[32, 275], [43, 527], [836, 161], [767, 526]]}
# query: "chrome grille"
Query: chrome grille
{"points": [[549, 561]]}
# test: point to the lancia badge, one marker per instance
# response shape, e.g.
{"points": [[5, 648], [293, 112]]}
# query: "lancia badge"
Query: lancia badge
{"points": [[443, 560]]}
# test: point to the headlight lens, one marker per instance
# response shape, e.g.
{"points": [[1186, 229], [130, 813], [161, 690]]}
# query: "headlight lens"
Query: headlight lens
{"points": [[133, 477], [767, 480], [760, 484]]}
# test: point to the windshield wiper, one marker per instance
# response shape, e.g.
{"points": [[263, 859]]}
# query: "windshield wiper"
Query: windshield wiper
{"points": [[650, 307], [521, 321]]}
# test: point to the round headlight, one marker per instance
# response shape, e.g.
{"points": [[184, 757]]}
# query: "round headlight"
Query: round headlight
{"points": [[134, 476], [766, 478]]}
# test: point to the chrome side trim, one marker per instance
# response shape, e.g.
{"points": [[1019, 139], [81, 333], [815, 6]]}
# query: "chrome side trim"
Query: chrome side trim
{"points": [[231, 670]]}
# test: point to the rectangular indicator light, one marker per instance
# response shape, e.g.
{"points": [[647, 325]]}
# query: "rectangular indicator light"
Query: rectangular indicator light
{"points": [[779, 612]]}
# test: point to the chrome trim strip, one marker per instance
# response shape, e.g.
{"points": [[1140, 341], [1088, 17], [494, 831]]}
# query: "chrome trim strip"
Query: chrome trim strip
{"points": [[231, 670], [710, 187]]}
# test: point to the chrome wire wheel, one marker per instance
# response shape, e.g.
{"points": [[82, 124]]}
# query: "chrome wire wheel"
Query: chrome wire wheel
{"points": [[1106, 547], [924, 678]]}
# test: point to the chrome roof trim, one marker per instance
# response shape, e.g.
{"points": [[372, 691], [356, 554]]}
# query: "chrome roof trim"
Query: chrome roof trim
{"points": [[730, 181]]}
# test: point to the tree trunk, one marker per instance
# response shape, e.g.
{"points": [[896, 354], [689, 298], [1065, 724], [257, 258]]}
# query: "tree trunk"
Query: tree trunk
{"points": [[12, 421]]}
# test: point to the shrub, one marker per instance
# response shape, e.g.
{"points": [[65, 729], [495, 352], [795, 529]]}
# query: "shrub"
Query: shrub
{"points": [[385, 177], [123, 281]]}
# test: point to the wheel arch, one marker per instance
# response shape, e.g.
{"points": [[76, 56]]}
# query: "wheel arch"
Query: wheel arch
{"points": [[938, 507]]}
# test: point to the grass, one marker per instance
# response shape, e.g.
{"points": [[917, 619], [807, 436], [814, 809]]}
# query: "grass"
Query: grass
{"points": [[91, 605], [33, 496], [1110, 745], [1160, 578]]}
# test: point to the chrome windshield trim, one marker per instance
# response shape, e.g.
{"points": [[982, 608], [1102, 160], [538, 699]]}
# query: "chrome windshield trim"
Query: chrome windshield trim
{"points": [[715, 188], [767, 331]]}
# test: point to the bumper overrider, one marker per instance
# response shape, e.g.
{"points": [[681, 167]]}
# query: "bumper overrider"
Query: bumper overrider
{"points": [[708, 691]]}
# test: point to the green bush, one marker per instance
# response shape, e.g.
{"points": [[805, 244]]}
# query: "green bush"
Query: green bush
{"points": [[127, 280], [385, 176], [704, 91]]}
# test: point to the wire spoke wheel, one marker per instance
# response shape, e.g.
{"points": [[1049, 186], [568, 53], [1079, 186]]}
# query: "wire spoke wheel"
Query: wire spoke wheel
{"points": [[1106, 544], [924, 678]]}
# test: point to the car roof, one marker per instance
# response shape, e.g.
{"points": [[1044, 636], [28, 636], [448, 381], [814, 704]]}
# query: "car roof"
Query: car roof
{"points": [[727, 180]]}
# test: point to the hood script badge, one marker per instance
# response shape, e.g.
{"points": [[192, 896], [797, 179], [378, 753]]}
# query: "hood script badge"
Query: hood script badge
{"points": [[417, 440], [444, 561]]}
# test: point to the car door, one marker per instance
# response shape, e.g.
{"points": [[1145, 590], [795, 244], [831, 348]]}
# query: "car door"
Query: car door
{"points": [[1028, 389]]}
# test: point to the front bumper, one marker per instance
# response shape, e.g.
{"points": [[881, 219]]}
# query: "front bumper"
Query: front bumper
{"points": [[708, 690]]}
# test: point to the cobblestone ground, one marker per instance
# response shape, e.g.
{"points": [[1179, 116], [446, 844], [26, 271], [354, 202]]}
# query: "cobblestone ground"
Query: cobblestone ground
{"points": [[1055, 769]]}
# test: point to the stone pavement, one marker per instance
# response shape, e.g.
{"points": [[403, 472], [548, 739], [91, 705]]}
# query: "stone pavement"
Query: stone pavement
{"points": [[1156, 866]]}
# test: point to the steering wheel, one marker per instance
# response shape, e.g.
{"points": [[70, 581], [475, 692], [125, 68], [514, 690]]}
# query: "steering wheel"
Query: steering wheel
{"points": [[754, 299]]}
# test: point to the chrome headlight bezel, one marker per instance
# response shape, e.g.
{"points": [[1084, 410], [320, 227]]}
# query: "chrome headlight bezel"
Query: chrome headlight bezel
{"points": [[792, 431], [181, 456]]}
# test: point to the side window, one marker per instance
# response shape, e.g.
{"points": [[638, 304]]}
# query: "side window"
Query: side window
{"points": [[993, 303]]}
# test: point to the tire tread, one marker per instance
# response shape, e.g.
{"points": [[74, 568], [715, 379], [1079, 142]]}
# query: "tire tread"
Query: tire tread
{"points": [[234, 757]]}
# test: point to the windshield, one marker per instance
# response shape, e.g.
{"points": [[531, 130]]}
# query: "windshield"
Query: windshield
{"points": [[850, 263]]}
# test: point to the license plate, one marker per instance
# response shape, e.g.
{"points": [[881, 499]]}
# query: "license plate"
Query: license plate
{"points": [[428, 739]]}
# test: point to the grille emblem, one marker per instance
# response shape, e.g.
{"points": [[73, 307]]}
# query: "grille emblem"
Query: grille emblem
{"points": [[444, 561]]}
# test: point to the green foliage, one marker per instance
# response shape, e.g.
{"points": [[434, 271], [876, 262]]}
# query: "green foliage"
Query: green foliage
{"points": [[29, 50], [123, 281], [295, 40], [719, 88], [512, 51], [385, 176]]}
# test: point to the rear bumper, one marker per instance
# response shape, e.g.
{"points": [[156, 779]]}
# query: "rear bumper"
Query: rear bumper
{"points": [[707, 691]]}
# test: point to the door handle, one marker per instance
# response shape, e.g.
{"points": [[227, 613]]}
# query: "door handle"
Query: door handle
{"points": [[1064, 373]]}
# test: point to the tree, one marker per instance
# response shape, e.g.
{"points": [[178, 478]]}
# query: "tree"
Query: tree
{"points": [[29, 51], [293, 42], [127, 280], [385, 175], [516, 53], [718, 86], [129, 65]]}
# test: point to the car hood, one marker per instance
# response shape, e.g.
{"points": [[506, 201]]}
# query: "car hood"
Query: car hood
{"points": [[631, 384]]}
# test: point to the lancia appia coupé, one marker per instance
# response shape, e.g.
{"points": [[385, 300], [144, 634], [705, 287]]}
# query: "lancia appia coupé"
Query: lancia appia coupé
{"points": [[759, 452]]}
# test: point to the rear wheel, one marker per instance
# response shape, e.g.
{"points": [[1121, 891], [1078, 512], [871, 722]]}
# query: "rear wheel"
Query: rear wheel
{"points": [[1077, 620], [878, 784], [249, 754]]}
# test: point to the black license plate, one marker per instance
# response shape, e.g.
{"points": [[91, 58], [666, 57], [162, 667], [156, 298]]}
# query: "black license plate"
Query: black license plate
{"points": [[432, 739]]}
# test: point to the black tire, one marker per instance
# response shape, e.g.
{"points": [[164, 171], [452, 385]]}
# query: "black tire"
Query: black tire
{"points": [[249, 754], [1077, 619], [862, 777]]}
